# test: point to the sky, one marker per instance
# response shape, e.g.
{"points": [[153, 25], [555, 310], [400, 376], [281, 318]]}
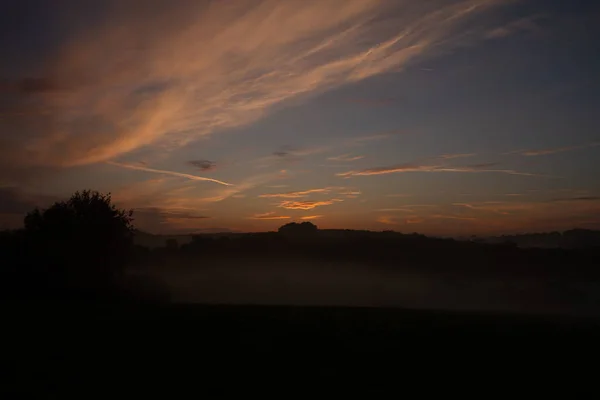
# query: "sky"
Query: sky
{"points": [[444, 117]]}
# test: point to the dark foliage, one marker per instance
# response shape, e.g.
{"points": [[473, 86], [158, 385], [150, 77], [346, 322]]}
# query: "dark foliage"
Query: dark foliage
{"points": [[572, 239], [388, 250], [85, 236], [298, 229], [74, 250], [171, 244]]}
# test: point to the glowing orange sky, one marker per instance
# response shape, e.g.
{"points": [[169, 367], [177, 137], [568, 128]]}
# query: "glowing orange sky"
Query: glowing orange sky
{"points": [[451, 117]]}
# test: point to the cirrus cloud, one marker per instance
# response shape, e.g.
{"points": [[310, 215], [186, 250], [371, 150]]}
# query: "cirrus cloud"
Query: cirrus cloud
{"points": [[346, 157], [293, 195], [306, 205], [166, 74], [269, 216], [310, 217], [555, 150], [165, 172], [433, 167]]}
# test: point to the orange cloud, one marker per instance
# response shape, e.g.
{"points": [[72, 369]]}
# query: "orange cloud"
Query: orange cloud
{"points": [[292, 195], [251, 182], [163, 172], [392, 220], [543, 152], [343, 191], [452, 156], [309, 217], [269, 216], [346, 157], [539, 215], [306, 205], [387, 220], [441, 216], [403, 168], [503, 208], [395, 210], [169, 193], [350, 193], [181, 71]]}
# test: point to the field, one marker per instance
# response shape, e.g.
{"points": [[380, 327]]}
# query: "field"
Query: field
{"points": [[267, 281]]}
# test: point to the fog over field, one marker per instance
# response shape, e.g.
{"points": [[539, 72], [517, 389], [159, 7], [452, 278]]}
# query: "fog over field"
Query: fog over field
{"points": [[311, 283]]}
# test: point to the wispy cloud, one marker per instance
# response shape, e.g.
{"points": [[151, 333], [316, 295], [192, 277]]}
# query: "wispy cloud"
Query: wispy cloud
{"points": [[309, 217], [394, 220], [342, 191], [363, 139], [289, 154], [387, 220], [156, 219], [243, 186], [306, 205], [388, 170], [164, 172], [171, 215], [497, 207], [296, 152], [167, 195], [350, 194], [544, 152], [346, 157], [452, 156], [395, 210], [293, 195], [555, 150], [413, 167], [581, 198], [458, 217], [179, 71], [549, 214], [376, 102], [521, 25], [269, 216]]}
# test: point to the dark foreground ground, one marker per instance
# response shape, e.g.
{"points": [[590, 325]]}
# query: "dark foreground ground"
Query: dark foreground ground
{"points": [[173, 350]]}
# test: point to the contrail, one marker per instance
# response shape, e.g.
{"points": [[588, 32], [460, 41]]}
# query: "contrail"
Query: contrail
{"points": [[172, 173]]}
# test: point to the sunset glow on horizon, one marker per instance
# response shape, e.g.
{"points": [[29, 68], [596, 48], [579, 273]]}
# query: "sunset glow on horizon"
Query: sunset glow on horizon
{"points": [[445, 117]]}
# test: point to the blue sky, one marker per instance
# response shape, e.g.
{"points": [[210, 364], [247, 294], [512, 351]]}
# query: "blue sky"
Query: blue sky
{"points": [[446, 117]]}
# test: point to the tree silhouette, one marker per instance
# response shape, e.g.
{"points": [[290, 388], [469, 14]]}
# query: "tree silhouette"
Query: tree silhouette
{"points": [[82, 243], [171, 244], [295, 229]]}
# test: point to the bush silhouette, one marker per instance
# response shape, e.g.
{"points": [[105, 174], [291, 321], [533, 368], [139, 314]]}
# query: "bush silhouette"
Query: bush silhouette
{"points": [[79, 245], [296, 229], [171, 244]]}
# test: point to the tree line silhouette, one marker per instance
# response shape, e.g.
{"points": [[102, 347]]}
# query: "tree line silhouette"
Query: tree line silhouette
{"points": [[388, 250], [80, 250]]}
